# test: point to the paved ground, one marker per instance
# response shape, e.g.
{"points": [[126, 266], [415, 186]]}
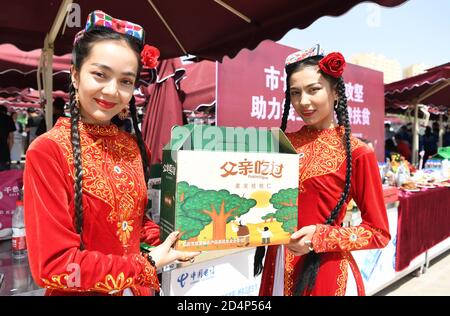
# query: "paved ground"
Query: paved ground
{"points": [[435, 282]]}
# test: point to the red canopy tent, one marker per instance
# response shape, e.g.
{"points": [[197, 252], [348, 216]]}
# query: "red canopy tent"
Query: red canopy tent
{"points": [[431, 88], [20, 68], [205, 28]]}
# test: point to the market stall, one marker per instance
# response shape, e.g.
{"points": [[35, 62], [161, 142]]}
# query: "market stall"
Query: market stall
{"points": [[431, 89]]}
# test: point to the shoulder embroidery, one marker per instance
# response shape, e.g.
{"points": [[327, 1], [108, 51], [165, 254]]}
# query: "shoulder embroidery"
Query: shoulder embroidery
{"points": [[112, 172], [323, 152]]}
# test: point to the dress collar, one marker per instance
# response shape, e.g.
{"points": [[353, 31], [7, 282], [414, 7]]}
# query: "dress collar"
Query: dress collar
{"points": [[92, 129], [322, 132]]}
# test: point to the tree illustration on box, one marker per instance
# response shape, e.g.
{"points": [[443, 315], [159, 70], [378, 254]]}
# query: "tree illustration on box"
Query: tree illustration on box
{"points": [[269, 217], [219, 207], [189, 225], [285, 201]]}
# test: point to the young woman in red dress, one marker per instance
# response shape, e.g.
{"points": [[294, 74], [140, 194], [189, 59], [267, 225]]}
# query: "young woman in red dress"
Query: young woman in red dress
{"points": [[334, 168], [85, 180]]}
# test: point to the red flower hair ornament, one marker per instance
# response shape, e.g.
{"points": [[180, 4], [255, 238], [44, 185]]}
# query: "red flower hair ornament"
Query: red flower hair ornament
{"points": [[333, 64], [149, 56]]}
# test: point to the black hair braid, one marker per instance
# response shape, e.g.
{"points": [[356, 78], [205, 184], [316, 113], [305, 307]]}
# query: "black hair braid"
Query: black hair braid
{"points": [[260, 252], [140, 140], [342, 114], [76, 151], [287, 107], [307, 279]]}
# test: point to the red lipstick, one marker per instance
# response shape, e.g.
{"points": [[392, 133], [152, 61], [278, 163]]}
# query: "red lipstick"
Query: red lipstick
{"points": [[308, 113], [105, 104]]}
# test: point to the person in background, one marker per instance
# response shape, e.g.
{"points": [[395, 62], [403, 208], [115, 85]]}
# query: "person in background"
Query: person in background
{"points": [[446, 140], [58, 111], [403, 147], [334, 168], [33, 121], [17, 148], [404, 135], [85, 181], [388, 132], [7, 128], [429, 143], [389, 148]]}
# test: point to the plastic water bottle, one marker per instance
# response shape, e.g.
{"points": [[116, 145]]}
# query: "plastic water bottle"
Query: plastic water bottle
{"points": [[19, 244]]}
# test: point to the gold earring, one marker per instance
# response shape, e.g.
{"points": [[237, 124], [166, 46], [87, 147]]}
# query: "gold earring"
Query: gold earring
{"points": [[77, 99], [123, 114]]}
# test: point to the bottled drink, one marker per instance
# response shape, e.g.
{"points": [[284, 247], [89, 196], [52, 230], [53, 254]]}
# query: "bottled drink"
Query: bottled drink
{"points": [[19, 245]]}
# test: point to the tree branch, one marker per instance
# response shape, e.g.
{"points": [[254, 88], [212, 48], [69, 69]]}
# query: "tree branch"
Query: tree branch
{"points": [[228, 214]]}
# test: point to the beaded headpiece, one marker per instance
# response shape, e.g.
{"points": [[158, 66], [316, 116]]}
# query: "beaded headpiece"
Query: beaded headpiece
{"points": [[303, 54], [332, 64], [99, 19]]}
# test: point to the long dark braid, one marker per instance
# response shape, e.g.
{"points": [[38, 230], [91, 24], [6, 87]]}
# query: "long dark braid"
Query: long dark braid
{"points": [[287, 106], [76, 152], [140, 140]]}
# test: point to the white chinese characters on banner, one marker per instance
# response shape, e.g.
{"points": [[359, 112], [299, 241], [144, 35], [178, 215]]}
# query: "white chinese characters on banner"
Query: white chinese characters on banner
{"points": [[357, 115], [272, 107], [354, 92], [272, 78], [268, 108]]}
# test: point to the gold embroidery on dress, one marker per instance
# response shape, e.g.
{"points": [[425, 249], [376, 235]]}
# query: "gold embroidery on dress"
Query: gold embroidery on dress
{"points": [[112, 171], [113, 286], [323, 150], [56, 281], [330, 238], [289, 273], [343, 276]]}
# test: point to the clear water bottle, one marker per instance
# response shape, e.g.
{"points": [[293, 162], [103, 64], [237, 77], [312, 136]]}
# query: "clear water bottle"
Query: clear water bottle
{"points": [[19, 244]]}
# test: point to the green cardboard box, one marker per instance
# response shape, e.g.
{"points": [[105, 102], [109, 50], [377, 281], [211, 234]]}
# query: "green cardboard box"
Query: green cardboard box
{"points": [[226, 187]]}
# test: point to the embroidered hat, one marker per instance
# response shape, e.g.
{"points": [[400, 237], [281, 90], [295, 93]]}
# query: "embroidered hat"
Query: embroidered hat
{"points": [[303, 54], [99, 18], [332, 64]]}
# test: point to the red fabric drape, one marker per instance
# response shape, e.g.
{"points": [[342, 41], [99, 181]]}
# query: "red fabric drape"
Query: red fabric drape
{"points": [[423, 221], [164, 110]]}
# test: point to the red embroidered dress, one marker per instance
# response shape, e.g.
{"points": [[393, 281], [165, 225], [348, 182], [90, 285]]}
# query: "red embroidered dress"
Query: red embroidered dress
{"points": [[322, 178], [114, 197]]}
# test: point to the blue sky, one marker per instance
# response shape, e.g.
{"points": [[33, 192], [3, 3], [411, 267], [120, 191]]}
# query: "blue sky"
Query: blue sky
{"points": [[418, 31]]}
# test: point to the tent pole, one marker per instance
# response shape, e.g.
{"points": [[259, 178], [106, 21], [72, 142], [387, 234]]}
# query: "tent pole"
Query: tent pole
{"points": [[441, 130], [48, 82], [415, 144], [48, 52]]}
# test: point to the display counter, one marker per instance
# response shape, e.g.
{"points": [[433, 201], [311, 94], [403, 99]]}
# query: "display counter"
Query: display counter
{"points": [[420, 231]]}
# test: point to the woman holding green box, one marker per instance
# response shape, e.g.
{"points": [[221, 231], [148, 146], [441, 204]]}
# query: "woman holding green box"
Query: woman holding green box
{"points": [[334, 168]]}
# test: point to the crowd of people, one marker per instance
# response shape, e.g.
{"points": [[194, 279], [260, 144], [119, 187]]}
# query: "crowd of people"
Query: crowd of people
{"points": [[18, 129], [401, 141]]}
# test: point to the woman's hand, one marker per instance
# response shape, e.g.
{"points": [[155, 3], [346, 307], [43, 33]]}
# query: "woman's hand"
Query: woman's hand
{"points": [[300, 242], [164, 254]]}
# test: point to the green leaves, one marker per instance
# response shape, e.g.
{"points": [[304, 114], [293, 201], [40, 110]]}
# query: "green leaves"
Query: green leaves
{"points": [[285, 201], [197, 208]]}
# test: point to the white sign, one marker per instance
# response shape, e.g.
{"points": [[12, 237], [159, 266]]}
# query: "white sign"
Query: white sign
{"points": [[229, 275]]}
